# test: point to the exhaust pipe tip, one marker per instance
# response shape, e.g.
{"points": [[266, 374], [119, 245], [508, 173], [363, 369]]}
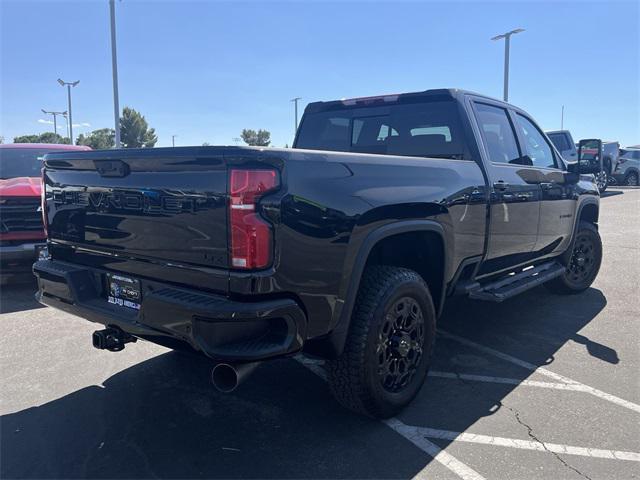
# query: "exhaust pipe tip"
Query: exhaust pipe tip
{"points": [[225, 377]]}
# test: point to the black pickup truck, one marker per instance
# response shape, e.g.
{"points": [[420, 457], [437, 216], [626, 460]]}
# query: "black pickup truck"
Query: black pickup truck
{"points": [[344, 247]]}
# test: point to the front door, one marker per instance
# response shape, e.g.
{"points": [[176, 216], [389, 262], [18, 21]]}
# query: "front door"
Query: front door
{"points": [[557, 202], [515, 190]]}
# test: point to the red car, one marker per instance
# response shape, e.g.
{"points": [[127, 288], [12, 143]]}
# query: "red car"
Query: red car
{"points": [[21, 231]]}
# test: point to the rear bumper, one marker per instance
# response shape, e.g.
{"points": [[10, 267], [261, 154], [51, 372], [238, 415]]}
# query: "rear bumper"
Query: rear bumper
{"points": [[215, 325]]}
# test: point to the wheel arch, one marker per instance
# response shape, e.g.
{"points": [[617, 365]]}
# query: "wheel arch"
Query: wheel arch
{"points": [[373, 245], [588, 211]]}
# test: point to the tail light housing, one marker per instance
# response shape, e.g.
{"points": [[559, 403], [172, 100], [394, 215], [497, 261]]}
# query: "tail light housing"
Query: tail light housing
{"points": [[251, 237]]}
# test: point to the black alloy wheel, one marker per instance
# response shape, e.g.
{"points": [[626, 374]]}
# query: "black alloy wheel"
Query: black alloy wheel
{"points": [[400, 344]]}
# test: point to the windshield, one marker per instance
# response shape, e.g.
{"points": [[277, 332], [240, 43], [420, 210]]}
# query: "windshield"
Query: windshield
{"points": [[21, 162], [426, 129]]}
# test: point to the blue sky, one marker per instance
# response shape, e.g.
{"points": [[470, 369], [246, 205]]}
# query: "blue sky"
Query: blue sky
{"points": [[205, 70]]}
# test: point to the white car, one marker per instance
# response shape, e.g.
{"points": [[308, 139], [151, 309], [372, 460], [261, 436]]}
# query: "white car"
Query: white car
{"points": [[627, 171], [563, 141]]}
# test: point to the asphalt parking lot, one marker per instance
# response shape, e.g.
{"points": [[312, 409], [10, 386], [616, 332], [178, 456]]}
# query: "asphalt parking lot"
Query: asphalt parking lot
{"points": [[538, 387]]}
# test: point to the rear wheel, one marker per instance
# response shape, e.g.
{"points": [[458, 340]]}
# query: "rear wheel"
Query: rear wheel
{"points": [[632, 179], [584, 262], [388, 349]]}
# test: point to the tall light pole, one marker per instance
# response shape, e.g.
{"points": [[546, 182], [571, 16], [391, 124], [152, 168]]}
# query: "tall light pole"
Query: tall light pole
{"points": [[114, 70], [173, 140], [295, 102], [69, 85], [507, 38], [55, 115], [66, 119]]}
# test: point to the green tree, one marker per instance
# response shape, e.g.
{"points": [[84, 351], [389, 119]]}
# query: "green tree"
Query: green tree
{"points": [[46, 137], [100, 139], [135, 131], [261, 138]]}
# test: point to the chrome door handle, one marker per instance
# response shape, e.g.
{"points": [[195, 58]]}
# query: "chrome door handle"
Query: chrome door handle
{"points": [[501, 185]]}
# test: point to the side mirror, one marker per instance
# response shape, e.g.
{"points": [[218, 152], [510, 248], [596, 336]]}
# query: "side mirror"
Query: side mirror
{"points": [[589, 157]]}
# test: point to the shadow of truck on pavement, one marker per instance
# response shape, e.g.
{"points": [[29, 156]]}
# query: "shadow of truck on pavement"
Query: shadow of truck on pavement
{"points": [[162, 418]]}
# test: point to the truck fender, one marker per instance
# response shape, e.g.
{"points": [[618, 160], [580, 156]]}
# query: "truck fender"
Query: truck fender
{"points": [[333, 344], [565, 258]]}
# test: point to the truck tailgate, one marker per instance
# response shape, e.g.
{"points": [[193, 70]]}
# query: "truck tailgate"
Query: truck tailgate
{"points": [[141, 204]]}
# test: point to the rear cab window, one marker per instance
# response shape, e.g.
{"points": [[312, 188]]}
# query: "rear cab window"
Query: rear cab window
{"points": [[422, 128], [561, 141]]}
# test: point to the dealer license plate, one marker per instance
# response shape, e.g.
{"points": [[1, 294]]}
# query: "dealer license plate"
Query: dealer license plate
{"points": [[124, 291]]}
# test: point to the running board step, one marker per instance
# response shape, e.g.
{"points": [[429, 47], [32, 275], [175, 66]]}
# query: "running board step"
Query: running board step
{"points": [[516, 283]]}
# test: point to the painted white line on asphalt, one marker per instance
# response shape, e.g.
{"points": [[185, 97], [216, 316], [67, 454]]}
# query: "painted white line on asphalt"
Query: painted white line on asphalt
{"points": [[439, 455], [543, 371], [508, 381], [447, 460], [525, 444]]}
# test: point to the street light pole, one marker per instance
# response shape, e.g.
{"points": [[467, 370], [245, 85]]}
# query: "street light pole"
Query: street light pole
{"points": [[173, 140], [69, 85], [55, 118], [507, 39], [114, 70], [295, 101]]}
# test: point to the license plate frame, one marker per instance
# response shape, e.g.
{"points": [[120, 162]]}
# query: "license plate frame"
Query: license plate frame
{"points": [[124, 292]]}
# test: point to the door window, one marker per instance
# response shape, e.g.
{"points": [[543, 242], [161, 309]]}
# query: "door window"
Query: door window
{"points": [[535, 145], [498, 135]]}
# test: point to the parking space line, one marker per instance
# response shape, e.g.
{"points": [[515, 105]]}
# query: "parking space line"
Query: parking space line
{"points": [[508, 381], [456, 466], [524, 444], [447, 460], [543, 371]]}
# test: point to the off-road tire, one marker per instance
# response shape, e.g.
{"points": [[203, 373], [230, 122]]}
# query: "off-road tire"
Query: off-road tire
{"points": [[631, 179], [587, 248], [354, 377]]}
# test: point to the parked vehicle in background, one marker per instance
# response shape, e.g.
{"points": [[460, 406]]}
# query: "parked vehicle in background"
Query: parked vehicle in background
{"points": [[344, 247], [563, 141], [610, 153], [21, 229], [627, 170]]}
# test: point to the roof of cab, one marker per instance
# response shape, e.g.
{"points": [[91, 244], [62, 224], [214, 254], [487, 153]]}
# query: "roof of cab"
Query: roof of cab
{"points": [[432, 94]]}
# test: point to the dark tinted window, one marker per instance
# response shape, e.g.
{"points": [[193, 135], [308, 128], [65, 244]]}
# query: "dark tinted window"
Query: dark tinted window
{"points": [[535, 145], [20, 162], [560, 141], [498, 135], [429, 129]]}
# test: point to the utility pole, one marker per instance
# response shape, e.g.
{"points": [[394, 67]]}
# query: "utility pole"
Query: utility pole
{"points": [[55, 115], [69, 85], [114, 71], [562, 119], [173, 140], [507, 38], [295, 102]]}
